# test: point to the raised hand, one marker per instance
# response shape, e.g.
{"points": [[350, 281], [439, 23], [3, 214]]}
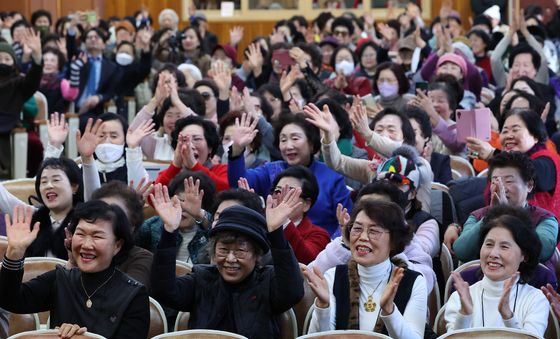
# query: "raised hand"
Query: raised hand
{"points": [[546, 110], [192, 204], [32, 40], [143, 38], [421, 100], [57, 129], [67, 331], [277, 212], [462, 288], [288, 79], [222, 77], [323, 120], [235, 100], [553, 297], [187, 153], [255, 58], [359, 118], [243, 184], [88, 141], [235, 35], [244, 133], [343, 218], [144, 188], [319, 286], [168, 209], [135, 136], [177, 154], [497, 192], [19, 232], [388, 296], [503, 306]]}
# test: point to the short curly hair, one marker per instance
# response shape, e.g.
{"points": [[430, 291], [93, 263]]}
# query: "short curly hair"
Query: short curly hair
{"points": [[387, 215], [210, 133], [518, 221]]}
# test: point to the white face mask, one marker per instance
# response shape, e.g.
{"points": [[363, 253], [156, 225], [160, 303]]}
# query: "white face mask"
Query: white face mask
{"points": [[124, 59], [345, 66], [108, 153]]}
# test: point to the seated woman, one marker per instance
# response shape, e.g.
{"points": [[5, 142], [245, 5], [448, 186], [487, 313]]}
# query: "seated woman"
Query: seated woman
{"points": [[298, 141], [509, 250], [392, 86], [95, 296], [306, 239], [343, 61], [193, 227], [511, 176], [195, 141], [59, 189], [370, 292], [235, 293]]}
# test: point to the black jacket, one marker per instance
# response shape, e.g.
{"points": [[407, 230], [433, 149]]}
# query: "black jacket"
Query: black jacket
{"points": [[248, 308]]}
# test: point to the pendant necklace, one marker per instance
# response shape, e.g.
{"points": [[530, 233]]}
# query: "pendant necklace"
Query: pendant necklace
{"points": [[371, 305], [89, 303]]}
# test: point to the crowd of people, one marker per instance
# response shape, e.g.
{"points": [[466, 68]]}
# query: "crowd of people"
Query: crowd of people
{"points": [[311, 159]]}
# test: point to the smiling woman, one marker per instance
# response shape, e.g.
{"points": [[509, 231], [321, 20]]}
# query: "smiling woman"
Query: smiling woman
{"points": [[95, 296]]}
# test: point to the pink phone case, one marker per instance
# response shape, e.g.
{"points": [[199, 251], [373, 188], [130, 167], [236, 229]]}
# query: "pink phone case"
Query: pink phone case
{"points": [[473, 123]]}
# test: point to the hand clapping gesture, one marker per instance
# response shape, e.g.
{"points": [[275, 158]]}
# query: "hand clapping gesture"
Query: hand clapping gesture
{"points": [[497, 192], [462, 288], [319, 286], [503, 306], [553, 297], [390, 291], [168, 209], [57, 129], [19, 232]]}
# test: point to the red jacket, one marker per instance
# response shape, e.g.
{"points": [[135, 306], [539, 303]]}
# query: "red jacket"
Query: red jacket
{"points": [[356, 85], [218, 174], [307, 240], [548, 201]]}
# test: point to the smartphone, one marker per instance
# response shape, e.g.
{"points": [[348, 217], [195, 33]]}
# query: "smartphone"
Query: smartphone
{"points": [[422, 85], [91, 17], [282, 57], [473, 123], [368, 101]]}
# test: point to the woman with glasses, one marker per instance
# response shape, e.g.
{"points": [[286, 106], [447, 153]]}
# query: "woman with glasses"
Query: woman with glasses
{"points": [[371, 292], [235, 293]]}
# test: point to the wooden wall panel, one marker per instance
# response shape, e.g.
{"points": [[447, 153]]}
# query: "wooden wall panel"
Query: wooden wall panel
{"points": [[123, 8], [251, 30]]}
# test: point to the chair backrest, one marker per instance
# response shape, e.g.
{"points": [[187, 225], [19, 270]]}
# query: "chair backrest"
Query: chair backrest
{"points": [[446, 259], [303, 306], [53, 334], [553, 328], [18, 155], [42, 106], [158, 321], [153, 167], [22, 323], [288, 325], [462, 166], [182, 268], [182, 321], [483, 173], [456, 174], [490, 333], [73, 125], [347, 334], [467, 265], [440, 187], [434, 303], [21, 188], [200, 334], [307, 321], [439, 322]]}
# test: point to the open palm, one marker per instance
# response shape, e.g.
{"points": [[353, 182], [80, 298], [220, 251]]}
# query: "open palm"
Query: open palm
{"points": [[87, 142], [169, 210], [277, 213], [19, 233]]}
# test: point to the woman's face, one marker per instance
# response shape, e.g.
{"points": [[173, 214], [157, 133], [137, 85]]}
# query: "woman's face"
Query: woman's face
{"points": [[369, 58], [167, 21], [327, 51], [56, 190], [111, 132], [477, 45], [19, 31], [342, 55], [500, 256], [275, 103], [50, 63], [505, 99], [294, 145], [209, 100], [370, 246], [515, 187], [451, 69], [390, 126], [190, 41], [126, 48], [235, 261], [387, 76], [94, 245], [515, 136], [170, 118], [420, 139], [198, 141], [441, 103]]}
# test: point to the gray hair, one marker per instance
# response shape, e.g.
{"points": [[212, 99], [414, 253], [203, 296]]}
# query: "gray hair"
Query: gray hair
{"points": [[168, 11]]}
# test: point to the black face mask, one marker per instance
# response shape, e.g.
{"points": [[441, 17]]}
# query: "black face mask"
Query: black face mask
{"points": [[6, 70]]}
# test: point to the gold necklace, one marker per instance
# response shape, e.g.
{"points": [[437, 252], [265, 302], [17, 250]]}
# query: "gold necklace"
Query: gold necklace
{"points": [[89, 303], [371, 305]]}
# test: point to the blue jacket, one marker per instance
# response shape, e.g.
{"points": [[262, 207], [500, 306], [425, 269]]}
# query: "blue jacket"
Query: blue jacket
{"points": [[332, 189]]}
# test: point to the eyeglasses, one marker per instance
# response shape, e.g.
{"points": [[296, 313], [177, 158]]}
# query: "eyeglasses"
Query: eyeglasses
{"points": [[341, 33], [222, 252], [206, 95], [372, 233]]}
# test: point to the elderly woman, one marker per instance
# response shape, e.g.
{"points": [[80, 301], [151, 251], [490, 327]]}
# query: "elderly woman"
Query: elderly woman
{"points": [[523, 131], [509, 251], [95, 296], [370, 292], [235, 293], [512, 178]]}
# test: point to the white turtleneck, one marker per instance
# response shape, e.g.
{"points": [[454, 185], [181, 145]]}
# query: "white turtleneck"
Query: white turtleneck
{"points": [[531, 308], [407, 325]]}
